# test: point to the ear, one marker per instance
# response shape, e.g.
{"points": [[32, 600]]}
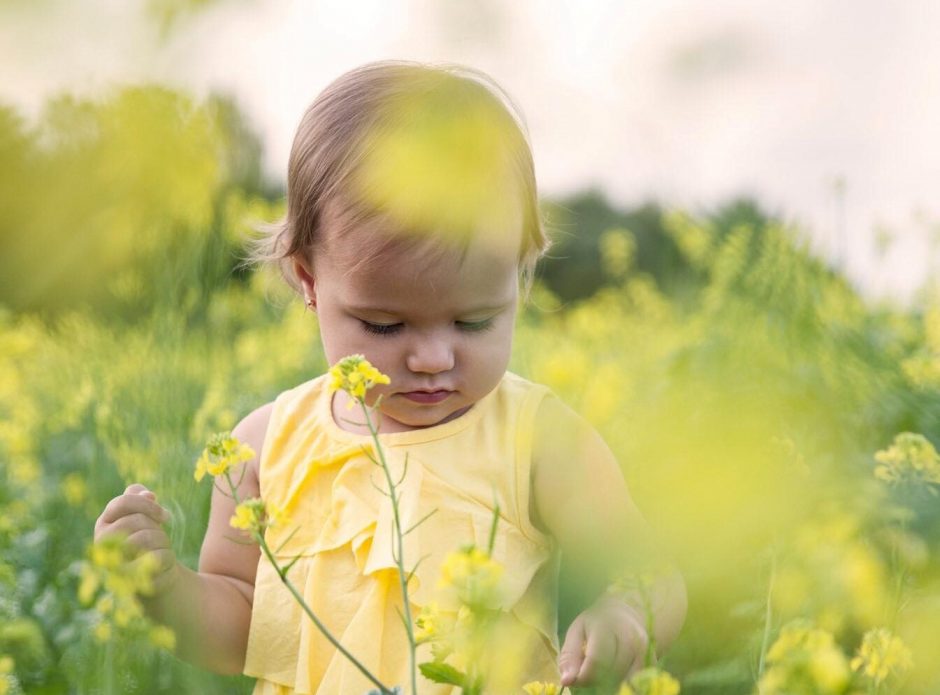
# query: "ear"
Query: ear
{"points": [[307, 283]]}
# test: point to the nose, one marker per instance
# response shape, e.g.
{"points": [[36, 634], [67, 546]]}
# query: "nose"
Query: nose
{"points": [[430, 354]]}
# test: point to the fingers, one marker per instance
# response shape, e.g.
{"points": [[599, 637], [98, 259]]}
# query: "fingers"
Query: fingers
{"points": [[139, 489], [638, 662], [637, 642], [625, 657], [602, 648], [599, 654], [572, 653], [140, 532], [133, 503], [149, 539], [136, 516]]}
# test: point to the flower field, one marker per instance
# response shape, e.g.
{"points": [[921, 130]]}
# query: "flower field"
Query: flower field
{"points": [[773, 426]]}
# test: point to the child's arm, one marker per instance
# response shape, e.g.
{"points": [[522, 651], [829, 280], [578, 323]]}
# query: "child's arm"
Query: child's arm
{"points": [[581, 498], [209, 610]]}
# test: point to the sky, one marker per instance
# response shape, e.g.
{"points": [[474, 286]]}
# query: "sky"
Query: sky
{"points": [[826, 111]]}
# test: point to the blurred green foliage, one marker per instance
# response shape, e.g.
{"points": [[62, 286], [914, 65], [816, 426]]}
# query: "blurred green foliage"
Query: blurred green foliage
{"points": [[121, 204]]}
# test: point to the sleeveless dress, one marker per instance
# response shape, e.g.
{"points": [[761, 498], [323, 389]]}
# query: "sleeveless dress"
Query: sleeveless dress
{"points": [[341, 528]]}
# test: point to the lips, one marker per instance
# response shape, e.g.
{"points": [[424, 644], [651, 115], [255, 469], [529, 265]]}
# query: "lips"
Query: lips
{"points": [[427, 397]]}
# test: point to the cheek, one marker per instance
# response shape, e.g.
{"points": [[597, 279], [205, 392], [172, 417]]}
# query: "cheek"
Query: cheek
{"points": [[341, 337], [492, 358]]}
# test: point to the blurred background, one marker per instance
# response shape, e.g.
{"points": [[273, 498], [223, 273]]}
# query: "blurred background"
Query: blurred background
{"points": [[741, 296], [821, 111]]}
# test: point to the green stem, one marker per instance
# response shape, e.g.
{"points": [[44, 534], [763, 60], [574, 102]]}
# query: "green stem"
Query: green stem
{"points": [[649, 659], [399, 542], [303, 604], [900, 578], [320, 626], [768, 616]]}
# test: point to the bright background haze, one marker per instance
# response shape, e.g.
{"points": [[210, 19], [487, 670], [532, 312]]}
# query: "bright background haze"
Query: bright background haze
{"points": [[824, 111]]}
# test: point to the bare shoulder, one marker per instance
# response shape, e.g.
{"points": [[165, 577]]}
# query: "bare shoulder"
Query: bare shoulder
{"points": [[560, 434], [578, 488], [225, 551], [252, 430]]}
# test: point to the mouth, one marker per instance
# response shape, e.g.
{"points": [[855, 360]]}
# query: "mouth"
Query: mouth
{"points": [[427, 397]]}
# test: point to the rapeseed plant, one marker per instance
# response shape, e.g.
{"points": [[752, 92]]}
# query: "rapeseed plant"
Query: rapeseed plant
{"points": [[805, 660], [223, 452], [650, 681], [541, 688], [881, 655], [910, 457], [111, 582]]}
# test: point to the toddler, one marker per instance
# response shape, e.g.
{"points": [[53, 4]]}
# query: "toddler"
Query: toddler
{"points": [[412, 229]]}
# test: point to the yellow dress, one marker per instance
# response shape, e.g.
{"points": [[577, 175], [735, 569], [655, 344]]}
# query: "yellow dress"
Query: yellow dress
{"points": [[342, 529]]}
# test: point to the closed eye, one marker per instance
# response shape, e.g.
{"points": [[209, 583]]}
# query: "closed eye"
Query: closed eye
{"points": [[393, 328], [380, 328], [475, 326]]}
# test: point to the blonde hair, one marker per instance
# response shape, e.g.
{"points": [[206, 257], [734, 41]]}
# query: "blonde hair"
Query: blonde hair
{"points": [[333, 142]]}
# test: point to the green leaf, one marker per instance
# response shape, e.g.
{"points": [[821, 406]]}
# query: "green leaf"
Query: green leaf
{"points": [[442, 673]]}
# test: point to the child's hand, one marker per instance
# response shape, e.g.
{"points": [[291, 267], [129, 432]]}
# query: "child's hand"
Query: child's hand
{"points": [[607, 642], [137, 516]]}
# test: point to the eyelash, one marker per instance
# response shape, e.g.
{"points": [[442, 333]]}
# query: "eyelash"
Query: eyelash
{"points": [[393, 328]]}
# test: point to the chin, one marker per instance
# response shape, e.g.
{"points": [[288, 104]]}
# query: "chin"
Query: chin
{"points": [[423, 417]]}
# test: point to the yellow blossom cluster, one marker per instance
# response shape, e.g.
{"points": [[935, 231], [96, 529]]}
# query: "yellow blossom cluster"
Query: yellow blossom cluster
{"points": [[437, 627], [478, 642], [221, 453], [832, 575], [355, 375], [113, 580], [473, 574], [254, 515], [541, 688], [881, 655], [431, 623], [805, 659], [910, 457], [650, 681]]}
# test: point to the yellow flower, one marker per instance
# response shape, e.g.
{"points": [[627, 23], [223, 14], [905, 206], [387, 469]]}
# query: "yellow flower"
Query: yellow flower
{"points": [[108, 553], [910, 457], [221, 453], [105, 605], [428, 623], [474, 575], [162, 637], [653, 681], [804, 659], [113, 579], [254, 515], [88, 585], [355, 375], [74, 489], [102, 632], [244, 517], [881, 655], [541, 688]]}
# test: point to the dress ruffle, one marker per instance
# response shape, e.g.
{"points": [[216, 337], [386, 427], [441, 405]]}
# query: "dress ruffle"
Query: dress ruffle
{"points": [[342, 526]]}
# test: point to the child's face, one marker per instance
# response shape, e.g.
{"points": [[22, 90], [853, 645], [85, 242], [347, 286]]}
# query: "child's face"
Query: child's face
{"points": [[441, 329]]}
